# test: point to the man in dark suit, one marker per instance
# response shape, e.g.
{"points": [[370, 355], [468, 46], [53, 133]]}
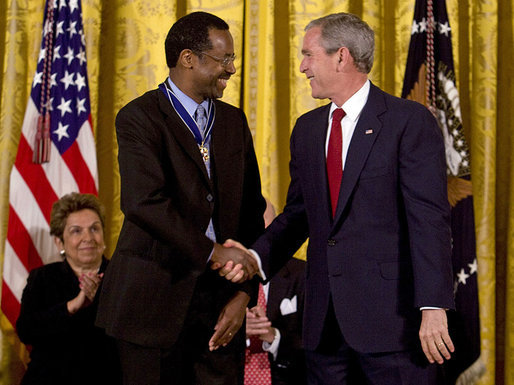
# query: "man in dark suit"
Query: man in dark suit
{"points": [[189, 180], [368, 187], [275, 329]]}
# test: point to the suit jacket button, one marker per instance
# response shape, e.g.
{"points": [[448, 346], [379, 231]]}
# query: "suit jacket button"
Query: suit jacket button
{"points": [[332, 242], [209, 198]]}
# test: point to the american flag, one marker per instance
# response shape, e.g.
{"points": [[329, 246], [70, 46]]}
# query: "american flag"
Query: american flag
{"points": [[56, 153], [430, 80]]}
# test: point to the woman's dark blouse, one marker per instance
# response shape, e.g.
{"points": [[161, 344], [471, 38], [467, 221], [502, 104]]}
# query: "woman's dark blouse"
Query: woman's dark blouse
{"points": [[65, 349]]}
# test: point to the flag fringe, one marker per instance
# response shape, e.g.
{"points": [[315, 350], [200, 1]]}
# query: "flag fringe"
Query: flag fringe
{"points": [[472, 374]]}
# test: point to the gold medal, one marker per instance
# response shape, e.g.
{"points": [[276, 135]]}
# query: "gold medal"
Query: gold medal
{"points": [[205, 152]]}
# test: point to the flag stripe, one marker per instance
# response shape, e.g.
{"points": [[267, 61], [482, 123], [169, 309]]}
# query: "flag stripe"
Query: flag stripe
{"points": [[81, 174], [16, 275], [10, 304], [23, 246], [87, 146], [27, 209], [35, 178], [58, 172]]}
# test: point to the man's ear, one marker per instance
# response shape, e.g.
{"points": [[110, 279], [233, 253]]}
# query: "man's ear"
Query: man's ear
{"points": [[186, 58], [344, 57]]}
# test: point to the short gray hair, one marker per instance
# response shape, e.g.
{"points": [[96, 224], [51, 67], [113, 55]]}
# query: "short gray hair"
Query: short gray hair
{"points": [[347, 30]]}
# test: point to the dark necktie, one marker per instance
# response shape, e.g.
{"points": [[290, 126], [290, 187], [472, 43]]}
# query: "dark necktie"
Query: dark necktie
{"points": [[335, 158]]}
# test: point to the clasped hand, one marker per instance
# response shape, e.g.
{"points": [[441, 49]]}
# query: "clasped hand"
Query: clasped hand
{"points": [[258, 324], [234, 262], [89, 283]]}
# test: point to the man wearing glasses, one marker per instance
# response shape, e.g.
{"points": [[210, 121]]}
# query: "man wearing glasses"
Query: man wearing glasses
{"points": [[189, 181]]}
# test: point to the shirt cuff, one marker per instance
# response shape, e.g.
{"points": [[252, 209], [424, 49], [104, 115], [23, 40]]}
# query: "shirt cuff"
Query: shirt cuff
{"points": [[430, 308], [273, 347], [259, 263]]}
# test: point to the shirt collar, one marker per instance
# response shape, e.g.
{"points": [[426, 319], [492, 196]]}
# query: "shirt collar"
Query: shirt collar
{"points": [[189, 104], [353, 106]]}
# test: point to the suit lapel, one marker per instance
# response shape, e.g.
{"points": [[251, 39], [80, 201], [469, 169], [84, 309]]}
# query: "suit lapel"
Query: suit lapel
{"points": [[223, 166], [316, 146], [367, 130], [182, 134]]}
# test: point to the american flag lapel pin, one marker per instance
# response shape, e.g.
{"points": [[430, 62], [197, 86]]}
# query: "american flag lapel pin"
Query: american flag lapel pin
{"points": [[368, 132]]}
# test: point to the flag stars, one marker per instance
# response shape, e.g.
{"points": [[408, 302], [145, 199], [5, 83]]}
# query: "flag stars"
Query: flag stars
{"points": [[444, 29], [53, 81], [422, 25], [82, 56], [462, 276], [73, 28], [62, 131], [81, 106], [59, 29], [42, 54], [73, 5], [80, 81], [57, 55], [70, 55], [64, 107], [47, 28], [415, 28], [473, 267], [49, 105], [37, 79], [67, 80]]}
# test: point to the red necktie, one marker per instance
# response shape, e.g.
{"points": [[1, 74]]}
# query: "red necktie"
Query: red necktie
{"points": [[335, 158], [257, 366]]}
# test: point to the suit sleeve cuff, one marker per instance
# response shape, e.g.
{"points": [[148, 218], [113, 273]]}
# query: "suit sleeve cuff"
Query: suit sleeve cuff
{"points": [[258, 259]]}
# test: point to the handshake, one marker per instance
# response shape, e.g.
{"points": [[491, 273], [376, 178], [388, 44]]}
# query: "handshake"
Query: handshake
{"points": [[234, 262]]}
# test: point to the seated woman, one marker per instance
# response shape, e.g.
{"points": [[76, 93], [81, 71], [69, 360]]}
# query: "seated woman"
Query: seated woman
{"points": [[58, 306]]}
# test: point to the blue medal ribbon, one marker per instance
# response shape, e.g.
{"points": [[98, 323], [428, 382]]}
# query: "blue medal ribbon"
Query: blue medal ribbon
{"points": [[189, 121]]}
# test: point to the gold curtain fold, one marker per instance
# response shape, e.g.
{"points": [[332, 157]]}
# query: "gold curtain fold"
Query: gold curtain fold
{"points": [[125, 52], [484, 155]]}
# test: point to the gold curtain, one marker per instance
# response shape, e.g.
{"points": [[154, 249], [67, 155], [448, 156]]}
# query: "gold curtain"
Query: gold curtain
{"points": [[125, 51]]}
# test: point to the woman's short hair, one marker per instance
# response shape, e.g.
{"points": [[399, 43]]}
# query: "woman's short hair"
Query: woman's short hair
{"points": [[69, 204]]}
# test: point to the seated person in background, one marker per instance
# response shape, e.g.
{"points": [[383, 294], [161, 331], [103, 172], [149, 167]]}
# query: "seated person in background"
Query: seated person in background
{"points": [[274, 326], [58, 305]]}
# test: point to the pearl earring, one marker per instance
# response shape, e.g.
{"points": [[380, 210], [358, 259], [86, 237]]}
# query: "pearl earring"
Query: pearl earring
{"points": [[62, 252]]}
